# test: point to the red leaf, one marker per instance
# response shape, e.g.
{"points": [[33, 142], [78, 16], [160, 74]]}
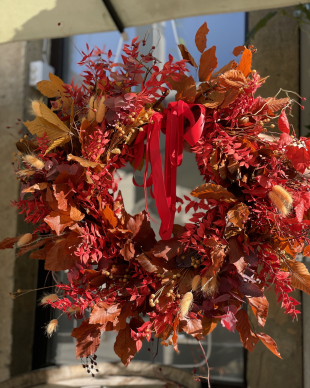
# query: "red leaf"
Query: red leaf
{"points": [[299, 157], [269, 343], [57, 259], [125, 347], [283, 123], [88, 339], [201, 37]]}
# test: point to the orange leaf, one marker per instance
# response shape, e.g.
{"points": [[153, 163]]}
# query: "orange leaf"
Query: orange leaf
{"points": [[102, 313], [75, 214], [57, 223], [62, 201], [230, 97], [125, 346], [88, 339], [201, 37], [57, 259], [37, 186], [306, 251], [186, 55], [300, 277], [192, 326], [108, 215], [259, 306], [269, 343], [208, 63], [211, 191], [175, 334], [248, 338], [208, 325], [238, 215], [214, 99], [186, 90], [238, 50], [245, 62]]}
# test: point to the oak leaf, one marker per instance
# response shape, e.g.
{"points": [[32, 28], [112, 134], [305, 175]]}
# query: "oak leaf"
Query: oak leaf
{"points": [[212, 191], [125, 345]]}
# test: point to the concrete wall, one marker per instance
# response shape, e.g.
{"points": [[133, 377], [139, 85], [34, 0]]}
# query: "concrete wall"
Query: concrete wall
{"points": [[17, 317], [277, 57]]}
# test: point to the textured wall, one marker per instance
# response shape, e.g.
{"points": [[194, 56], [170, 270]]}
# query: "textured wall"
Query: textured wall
{"points": [[17, 318], [277, 57]]}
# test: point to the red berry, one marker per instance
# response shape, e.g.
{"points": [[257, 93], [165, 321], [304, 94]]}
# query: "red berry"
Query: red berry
{"points": [[302, 107], [303, 98]]}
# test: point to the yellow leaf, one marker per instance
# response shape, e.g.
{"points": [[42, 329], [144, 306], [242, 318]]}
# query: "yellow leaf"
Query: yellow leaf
{"points": [[58, 142], [54, 88], [51, 117], [84, 162], [40, 126]]}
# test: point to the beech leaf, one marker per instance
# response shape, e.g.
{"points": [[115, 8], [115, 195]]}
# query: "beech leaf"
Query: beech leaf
{"points": [[88, 339], [208, 63], [245, 62], [201, 37], [186, 55], [125, 345], [259, 306], [248, 338], [269, 343], [212, 191], [102, 313], [300, 277]]}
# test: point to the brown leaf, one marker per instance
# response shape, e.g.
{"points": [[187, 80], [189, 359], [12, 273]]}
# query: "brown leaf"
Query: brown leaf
{"points": [[126, 312], [145, 262], [236, 254], [259, 306], [238, 215], [186, 90], [125, 346], [233, 165], [269, 343], [208, 325], [175, 334], [102, 313], [185, 284], [208, 63], [211, 191], [201, 37], [245, 62], [75, 214], [167, 249], [186, 55], [192, 326], [28, 248], [88, 339], [233, 79], [300, 277], [231, 65], [248, 338], [230, 97], [84, 162], [275, 104], [8, 242], [214, 99], [58, 223], [37, 186], [238, 50], [306, 251], [57, 259]]}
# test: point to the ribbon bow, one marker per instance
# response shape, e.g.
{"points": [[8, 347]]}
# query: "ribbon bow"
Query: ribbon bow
{"points": [[164, 184]]}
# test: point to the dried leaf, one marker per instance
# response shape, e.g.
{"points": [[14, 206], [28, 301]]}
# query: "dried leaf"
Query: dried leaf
{"points": [[88, 339], [238, 215], [236, 254], [84, 162], [108, 215], [201, 37], [300, 277], [269, 343], [238, 50], [192, 326], [75, 214], [233, 79], [186, 90], [8, 242], [230, 97], [186, 55], [248, 338], [125, 346], [52, 118], [145, 262], [259, 306], [211, 191], [57, 259], [275, 104], [102, 313], [245, 62], [208, 325], [58, 143], [208, 63], [214, 99], [37, 186]]}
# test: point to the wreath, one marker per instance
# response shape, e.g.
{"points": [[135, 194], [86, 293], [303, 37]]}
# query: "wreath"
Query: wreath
{"points": [[250, 218]]}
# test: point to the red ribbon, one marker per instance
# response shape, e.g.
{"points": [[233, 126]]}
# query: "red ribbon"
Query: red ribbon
{"points": [[164, 187]]}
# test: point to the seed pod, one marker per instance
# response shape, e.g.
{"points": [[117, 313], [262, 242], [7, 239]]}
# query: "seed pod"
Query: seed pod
{"points": [[33, 161], [24, 239], [186, 303], [283, 194], [51, 327], [196, 282], [278, 203], [100, 110], [49, 298], [36, 108]]}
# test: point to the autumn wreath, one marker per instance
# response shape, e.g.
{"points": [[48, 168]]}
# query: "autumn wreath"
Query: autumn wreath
{"points": [[251, 216]]}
